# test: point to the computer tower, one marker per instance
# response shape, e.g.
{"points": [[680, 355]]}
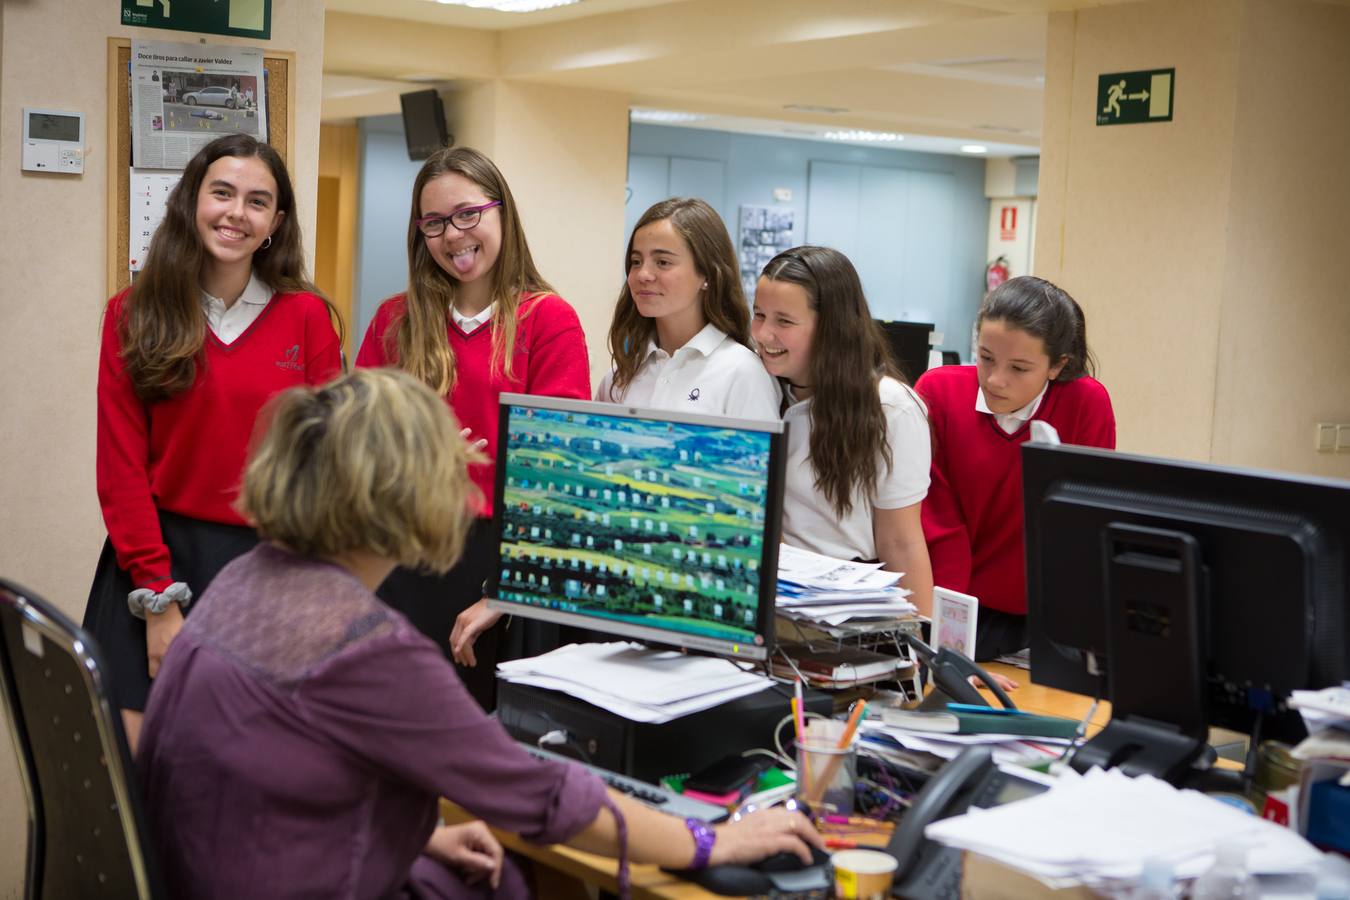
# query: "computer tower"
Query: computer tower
{"points": [[644, 750]]}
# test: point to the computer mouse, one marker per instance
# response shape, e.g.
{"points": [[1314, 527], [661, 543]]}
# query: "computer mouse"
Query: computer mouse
{"points": [[780, 872], [790, 862]]}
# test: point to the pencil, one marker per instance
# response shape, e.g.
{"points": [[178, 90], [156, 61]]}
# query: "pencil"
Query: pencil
{"points": [[800, 709]]}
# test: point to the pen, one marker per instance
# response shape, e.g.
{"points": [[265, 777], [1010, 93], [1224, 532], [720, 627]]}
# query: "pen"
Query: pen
{"points": [[856, 820], [854, 717]]}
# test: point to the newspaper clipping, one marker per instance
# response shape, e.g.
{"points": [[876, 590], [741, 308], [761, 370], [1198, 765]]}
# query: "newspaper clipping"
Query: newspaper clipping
{"points": [[183, 96]]}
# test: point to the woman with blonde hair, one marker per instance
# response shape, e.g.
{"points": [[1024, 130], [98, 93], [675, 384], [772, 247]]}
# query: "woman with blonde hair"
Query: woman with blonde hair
{"points": [[476, 320], [304, 731]]}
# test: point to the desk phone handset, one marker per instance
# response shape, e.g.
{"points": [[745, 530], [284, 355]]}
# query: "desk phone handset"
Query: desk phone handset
{"points": [[930, 871], [951, 671]]}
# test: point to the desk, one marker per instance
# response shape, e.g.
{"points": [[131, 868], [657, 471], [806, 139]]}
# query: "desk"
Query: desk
{"points": [[563, 872], [573, 867], [1037, 698]]}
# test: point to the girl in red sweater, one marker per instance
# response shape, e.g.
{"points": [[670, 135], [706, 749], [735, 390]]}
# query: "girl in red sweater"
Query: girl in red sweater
{"points": [[221, 318], [1034, 365], [476, 320]]}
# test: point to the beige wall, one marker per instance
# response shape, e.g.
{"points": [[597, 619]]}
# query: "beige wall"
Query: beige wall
{"points": [[51, 294], [1284, 357], [1205, 250]]}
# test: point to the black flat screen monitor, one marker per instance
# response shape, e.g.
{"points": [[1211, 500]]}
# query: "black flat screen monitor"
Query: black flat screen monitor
{"points": [[640, 523], [423, 123], [1203, 594], [909, 345]]}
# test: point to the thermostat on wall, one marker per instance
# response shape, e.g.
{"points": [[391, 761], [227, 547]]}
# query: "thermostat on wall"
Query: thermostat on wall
{"points": [[53, 141]]}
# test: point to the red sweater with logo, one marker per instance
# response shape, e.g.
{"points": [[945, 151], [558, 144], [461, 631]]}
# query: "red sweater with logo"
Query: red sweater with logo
{"points": [[972, 516], [550, 360], [186, 454]]}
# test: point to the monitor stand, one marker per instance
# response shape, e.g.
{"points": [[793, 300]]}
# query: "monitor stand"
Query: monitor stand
{"points": [[1156, 597]]}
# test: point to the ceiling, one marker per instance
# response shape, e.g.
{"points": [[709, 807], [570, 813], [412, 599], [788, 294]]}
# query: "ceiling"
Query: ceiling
{"points": [[939, 72]]}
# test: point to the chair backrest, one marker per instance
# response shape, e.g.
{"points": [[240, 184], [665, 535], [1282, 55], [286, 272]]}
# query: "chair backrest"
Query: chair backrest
{"points": [[87, 834]]}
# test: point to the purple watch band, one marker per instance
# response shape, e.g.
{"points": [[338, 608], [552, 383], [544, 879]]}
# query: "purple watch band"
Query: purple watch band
{"points": [[704, 838]]}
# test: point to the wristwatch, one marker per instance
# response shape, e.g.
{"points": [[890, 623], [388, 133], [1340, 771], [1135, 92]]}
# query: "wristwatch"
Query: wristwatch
{"points": [[704, 838]]}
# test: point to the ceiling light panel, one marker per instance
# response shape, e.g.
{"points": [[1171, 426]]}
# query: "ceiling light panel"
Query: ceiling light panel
{"points": [[663, 116], [870, 137], [510, 6]]}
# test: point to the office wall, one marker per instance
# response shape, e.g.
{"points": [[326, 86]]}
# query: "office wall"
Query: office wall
{"points": [[1206, 251], [51, 297], [753, 166], [385, 200], [1283, 360]]}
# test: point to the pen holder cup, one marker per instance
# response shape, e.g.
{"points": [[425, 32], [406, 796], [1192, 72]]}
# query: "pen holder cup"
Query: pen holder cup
{"points": [[825, 775]]}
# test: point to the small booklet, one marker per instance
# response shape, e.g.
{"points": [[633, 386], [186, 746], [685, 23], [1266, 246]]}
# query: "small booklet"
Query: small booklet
{"points": [[846, 664]]}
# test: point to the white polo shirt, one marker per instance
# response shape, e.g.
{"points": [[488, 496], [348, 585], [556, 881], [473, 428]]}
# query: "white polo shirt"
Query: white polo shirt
{"points": [[1014, 420], [711, 374], [228, 324], [810, 522], [470, 324]]}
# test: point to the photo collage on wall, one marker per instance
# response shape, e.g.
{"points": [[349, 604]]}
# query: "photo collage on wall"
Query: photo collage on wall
{"points": [[765, 231]]}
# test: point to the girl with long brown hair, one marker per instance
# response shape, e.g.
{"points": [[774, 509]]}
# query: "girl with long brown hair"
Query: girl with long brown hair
{"points": [[681, 332], [858, 442], [221, 318], [477, 320], [680, 339]]}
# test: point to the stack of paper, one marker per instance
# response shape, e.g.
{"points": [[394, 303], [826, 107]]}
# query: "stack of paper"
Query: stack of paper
{"points": [[1098, 829], [829, 592], [1327, 708], [634, 682], [1006, 748]]}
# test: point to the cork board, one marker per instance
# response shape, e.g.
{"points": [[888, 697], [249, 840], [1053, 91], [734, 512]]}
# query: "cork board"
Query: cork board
{"points": [[281, 135]]}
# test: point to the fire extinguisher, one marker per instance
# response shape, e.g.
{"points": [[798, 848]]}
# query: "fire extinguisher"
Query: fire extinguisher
{"points": [[997, 272]]}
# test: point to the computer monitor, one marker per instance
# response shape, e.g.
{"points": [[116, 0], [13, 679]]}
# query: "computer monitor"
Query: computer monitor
{"points": [[655, 525], [1204, 595], [909, 345]]}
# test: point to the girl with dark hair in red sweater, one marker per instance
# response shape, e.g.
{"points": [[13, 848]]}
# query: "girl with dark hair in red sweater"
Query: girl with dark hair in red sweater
{"points": [[1033, 365], [476, 320], [221, 317]]}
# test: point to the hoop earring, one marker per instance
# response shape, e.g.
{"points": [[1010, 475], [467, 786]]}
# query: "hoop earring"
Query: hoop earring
{"points": [[267, 242]]}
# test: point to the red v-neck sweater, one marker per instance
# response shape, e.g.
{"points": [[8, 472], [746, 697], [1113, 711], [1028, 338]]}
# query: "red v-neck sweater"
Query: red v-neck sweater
{"points": [[550, 360], [972, 516], [186, 455]]}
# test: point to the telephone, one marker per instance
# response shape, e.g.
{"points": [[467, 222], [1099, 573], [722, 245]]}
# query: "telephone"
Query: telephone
{"points": [[951, 669], [930, 871]]}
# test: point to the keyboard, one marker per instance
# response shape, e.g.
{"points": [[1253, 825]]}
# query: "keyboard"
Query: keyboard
{"points": [[653, 795]]}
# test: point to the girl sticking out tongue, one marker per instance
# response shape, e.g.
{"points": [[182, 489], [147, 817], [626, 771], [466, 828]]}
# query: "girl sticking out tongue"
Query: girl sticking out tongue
{"points": [[476, 320]]}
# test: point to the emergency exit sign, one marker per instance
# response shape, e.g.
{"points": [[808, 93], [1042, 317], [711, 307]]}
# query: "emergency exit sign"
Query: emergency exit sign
{"points": [[1129, 98]]}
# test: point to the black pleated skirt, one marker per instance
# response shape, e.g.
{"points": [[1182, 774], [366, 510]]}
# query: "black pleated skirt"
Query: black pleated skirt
{"points": [[998, 633], [198, 550], [431, 603]]}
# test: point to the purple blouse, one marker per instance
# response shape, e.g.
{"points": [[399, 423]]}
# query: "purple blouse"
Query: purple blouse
{"points": [[300, 732]]}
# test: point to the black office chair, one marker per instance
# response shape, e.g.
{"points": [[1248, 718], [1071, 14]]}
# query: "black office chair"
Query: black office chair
{"points": [[87, 834]]}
